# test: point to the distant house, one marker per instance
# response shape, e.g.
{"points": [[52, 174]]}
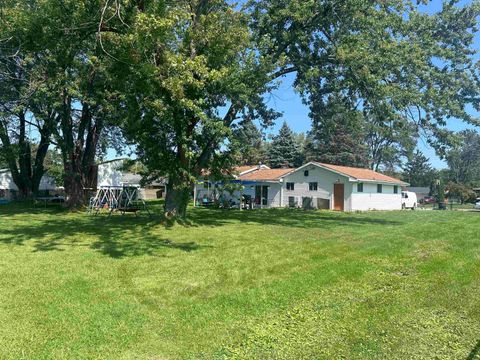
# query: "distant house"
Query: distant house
{"points": [[313, 185], [422, 192], [9, 191], [112, 173]]}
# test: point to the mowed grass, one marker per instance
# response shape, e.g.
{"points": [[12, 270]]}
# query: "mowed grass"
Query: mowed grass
{"points": [[266, 284]]}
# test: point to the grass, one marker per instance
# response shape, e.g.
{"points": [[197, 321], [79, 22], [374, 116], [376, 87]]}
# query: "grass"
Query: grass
{"points": [[266, 284]]}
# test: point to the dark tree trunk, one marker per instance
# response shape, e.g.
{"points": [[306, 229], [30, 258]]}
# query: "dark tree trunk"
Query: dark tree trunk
{"points": [[176, 199]]}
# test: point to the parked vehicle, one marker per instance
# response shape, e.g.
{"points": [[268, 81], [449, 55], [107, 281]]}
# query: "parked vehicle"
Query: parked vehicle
{"points": [[429, 200], [409, 200], [477, 205]]}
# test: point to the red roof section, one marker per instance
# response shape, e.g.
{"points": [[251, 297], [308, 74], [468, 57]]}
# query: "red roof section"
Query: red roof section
{"points": [[362, 174], [265, 174]]}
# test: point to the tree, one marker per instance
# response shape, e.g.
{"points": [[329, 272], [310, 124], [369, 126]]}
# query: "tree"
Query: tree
{"points": [[418, 171], [414, 68], [180, 66], [284, 150], [464, 158], [338, 132], [250, 144], [461, 192], [64, 86]]}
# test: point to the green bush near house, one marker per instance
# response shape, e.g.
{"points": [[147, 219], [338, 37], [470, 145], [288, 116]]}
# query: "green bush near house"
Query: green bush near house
{"points": [[228, 284]]}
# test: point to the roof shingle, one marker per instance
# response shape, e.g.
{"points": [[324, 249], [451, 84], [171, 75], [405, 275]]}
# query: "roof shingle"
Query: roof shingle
{"points": [[265, 174], [361, 174]]}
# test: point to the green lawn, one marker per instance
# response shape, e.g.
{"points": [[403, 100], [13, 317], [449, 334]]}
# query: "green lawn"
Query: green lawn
{"points": [[267, 284]]}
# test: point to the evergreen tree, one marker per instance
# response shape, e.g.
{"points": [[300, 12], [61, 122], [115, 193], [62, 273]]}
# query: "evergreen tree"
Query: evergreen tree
{"points": [[418, 171], [284, 150], [249, 144], [337, 135]]}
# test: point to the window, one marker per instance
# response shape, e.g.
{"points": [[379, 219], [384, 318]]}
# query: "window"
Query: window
{"points": [[395, 189], [290, 186], [379, 188], [305, 173], [207, 185], [360, 187], [313, 186]]}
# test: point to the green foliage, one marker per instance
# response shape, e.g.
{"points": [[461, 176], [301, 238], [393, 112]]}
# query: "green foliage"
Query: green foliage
{"points": [[248, 141], [460, 192], [284, 150], [338, 133], [418, 171], [464, 159]]}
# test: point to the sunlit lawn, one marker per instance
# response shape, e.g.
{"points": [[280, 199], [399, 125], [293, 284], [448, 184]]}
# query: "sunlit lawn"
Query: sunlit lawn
{"points": [[267, 284]]}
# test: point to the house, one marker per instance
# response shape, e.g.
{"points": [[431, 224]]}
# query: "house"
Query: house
{"points": [[9, 191], [112, 173], [313, 185], [421, 192]]}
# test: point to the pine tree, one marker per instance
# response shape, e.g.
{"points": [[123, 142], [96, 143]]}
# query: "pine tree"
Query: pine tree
{"points": [[418, 171], [337, 135], [284, 150], [249, 144]]}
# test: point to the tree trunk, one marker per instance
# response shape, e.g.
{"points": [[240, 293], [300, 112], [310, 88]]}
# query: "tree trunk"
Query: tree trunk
{"points": [[74, 190], [176, 199]]}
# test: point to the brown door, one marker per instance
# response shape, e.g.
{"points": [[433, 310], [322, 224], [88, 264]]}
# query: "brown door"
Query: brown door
{"points": [[338, 197]]}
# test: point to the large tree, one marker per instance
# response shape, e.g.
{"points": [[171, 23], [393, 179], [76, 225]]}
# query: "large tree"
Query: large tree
{"points": [[464, 159], [249, 143], [338, 133], [284, 151], [64, 90], [415, 69], [418, 171]]}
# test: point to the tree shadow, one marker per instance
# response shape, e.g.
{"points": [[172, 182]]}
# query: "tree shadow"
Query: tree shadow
{"points": [[115, 236], [286, 217], [119, 236], [475, 353]]}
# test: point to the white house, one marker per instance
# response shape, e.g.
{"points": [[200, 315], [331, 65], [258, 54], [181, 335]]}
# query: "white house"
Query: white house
{"points": [[8, 189], [313, 185]]}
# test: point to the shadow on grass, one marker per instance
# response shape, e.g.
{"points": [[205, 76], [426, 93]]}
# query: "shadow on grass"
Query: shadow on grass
{"points": [[475, 353], [120, 236]]}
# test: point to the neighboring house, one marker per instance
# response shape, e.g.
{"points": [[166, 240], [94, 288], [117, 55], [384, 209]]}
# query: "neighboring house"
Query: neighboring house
{"points": [[111, 173], [8, 189], [421, 192], [313, 185]]}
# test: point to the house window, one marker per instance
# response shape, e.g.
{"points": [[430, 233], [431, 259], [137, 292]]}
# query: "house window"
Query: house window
{"points": [[395, 189], [360, 187], [305, 173], [379, 188], [207, 185], [290, 186], [313, 186]]}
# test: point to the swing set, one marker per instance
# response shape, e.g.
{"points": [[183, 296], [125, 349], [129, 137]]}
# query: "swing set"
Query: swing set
{"points": [[123, 199]]}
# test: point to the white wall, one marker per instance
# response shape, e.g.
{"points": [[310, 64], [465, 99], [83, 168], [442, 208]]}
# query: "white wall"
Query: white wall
{"points": [[371, 200], [6, 183], [109, 174], [325, 179]]}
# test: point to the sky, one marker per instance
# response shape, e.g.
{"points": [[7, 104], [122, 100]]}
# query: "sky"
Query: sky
{"points": [[295, 113]]}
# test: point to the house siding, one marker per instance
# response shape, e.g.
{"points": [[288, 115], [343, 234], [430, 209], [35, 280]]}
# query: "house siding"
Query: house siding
{"points": [[369, 199], [325, 179]]}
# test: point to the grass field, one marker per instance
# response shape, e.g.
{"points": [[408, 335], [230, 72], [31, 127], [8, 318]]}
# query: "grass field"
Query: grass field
{"points": [[267, 284]]}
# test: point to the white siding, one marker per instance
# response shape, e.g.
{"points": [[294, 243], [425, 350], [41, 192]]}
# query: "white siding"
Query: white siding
{"points": [[9, 187], [371, 200], [110, 174], [325, 179]]}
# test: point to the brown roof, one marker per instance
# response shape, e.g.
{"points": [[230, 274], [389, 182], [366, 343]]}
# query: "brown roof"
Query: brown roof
{"points": [[265, 174], [243, 168], [362, 174]]}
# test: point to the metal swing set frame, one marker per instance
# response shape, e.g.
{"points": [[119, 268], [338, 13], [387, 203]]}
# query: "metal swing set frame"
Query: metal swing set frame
{"points": [[125, 198]]}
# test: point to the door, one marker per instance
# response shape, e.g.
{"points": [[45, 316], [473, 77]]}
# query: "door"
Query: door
{"points": [[261, 195], [338, 197]]}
